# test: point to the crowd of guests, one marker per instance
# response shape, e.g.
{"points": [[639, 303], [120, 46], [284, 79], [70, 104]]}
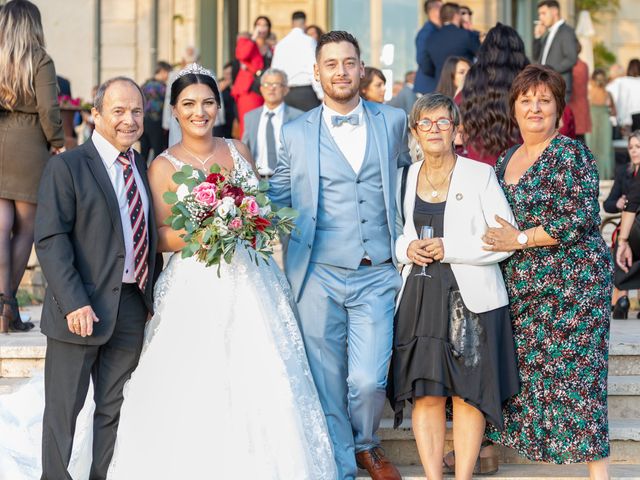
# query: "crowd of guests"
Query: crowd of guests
{"points": [[489, 315]]}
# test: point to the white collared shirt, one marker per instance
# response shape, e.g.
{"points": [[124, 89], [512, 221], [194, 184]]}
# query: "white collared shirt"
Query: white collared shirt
{"points": [[351, 139], [295, 55], [547, 46], [109, 155], [262, 162]]}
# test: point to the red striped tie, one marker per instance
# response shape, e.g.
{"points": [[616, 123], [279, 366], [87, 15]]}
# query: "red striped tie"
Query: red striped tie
{"points": [[138, 223]]}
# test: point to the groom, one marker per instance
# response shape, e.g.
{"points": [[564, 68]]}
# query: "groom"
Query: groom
{"points": [[96, 241], [337, 166]]}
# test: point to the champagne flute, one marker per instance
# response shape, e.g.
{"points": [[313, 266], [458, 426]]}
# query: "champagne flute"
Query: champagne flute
{"points": [[425, 232]]}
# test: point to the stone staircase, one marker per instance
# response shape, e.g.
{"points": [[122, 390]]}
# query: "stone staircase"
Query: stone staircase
{"points": [[22, 354], [624, 423]]}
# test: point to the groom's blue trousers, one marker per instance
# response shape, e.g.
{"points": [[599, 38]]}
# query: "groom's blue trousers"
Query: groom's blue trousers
{"points": [[346, 319]]}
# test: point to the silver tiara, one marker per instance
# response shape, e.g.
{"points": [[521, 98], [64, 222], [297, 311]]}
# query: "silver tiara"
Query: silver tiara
{"points": [[194, 68]]}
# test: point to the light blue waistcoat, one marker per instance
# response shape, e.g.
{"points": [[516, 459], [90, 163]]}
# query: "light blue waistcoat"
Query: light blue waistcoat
{"points": [[352, 220]]}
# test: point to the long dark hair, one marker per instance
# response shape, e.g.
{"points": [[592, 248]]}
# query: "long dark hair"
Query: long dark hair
{"points": [[191, 79], [266, 19], [446, 85], [488, 125]]}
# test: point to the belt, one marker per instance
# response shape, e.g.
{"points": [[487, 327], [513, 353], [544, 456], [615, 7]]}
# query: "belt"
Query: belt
{"points": [[265, 177], [366, 262]]}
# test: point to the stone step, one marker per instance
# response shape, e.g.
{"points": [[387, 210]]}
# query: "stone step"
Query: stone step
{"points": [[624, 396], [401, 448], [532, 472], [624, 347]]}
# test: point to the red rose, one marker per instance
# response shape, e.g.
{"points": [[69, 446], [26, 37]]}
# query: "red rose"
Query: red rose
{"points": [[215, 178], [254, 241], [234, 192], [261, 223]]}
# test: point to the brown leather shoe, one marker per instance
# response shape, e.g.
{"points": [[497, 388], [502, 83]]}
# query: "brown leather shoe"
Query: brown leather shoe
{"points": [[378, 466]]}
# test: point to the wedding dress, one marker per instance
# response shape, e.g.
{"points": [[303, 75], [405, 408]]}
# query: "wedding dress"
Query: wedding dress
{"points": [[223, 389]]}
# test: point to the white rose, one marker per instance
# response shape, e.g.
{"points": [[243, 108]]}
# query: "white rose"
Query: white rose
{"points": [[220, 225], [264, 211], [182, 192], [227, 207]]}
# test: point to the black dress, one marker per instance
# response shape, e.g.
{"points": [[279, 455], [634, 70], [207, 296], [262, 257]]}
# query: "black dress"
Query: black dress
{"points": [[474, 359], [631, 279]]}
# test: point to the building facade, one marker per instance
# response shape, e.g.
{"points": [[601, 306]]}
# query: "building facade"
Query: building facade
{"points": [[91, 40]]}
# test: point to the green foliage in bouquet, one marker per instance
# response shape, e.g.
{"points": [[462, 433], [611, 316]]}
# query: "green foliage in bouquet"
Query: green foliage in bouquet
{"points": [[215, 214]]}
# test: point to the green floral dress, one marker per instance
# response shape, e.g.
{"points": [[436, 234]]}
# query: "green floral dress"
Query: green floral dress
{"points": [[560, 308]]}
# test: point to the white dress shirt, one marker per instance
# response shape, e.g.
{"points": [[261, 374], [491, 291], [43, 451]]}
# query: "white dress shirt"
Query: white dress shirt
{"points": [[547, 46], [109, 155], [262, 162], [351, 139], [626, 96], [295, 55]]}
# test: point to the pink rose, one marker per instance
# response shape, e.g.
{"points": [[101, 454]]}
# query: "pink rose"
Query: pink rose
{"points": [[235, 224], [206, 193], [251, 206]]}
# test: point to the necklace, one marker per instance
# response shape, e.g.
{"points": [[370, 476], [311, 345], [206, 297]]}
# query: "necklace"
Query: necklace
{"points": [[435, 190], [202, 162]]}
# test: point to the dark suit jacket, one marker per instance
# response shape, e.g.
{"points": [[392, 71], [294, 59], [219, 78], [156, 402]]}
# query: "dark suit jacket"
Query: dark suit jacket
{"points": [[424, 83], [252, 121], [622, 184], [80, 245], [563, 53], [446, 42]]}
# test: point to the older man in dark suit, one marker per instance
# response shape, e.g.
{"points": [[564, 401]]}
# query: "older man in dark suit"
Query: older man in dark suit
{"points": [[262, 125], [450, 40], [96, 239], [555, 43]]}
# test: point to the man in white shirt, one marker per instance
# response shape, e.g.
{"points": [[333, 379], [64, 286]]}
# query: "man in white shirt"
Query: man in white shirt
{"points": [[295, 55], [555, 43], [337, 167], [262, 125]]}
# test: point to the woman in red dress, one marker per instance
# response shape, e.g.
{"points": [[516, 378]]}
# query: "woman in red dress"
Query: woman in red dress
{"points": [[245, 90]]}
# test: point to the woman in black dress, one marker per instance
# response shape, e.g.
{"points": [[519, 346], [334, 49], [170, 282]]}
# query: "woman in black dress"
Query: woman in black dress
{"points": [[617, 202], [452, 331]]}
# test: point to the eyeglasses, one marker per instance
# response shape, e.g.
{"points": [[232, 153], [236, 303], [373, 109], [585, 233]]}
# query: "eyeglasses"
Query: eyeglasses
{"points": [[426, 124], [271, 84], [466, 12]]}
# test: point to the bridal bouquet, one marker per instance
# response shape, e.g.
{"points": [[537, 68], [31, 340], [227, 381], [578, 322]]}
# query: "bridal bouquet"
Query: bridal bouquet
{"points": [[219, 213]]}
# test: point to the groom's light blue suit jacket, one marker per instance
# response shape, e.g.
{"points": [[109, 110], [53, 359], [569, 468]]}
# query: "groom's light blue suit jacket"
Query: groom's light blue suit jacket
{"points": [[296, 180]]}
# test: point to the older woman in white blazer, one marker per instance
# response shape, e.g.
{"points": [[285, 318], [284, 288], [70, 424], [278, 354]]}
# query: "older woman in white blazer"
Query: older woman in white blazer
{"points": [[452, 331]]}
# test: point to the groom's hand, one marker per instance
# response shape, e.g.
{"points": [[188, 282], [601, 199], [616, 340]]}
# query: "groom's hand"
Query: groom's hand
{"points": [[81, 321]]}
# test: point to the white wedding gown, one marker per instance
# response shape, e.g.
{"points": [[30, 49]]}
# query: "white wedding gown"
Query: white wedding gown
{"points": [[222, 391]]}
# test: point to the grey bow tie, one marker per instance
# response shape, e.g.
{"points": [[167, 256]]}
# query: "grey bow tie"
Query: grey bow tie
{"points": [[337, 120]]}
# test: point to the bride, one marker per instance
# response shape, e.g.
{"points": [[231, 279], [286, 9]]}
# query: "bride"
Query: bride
{"points": [[223, 388]]}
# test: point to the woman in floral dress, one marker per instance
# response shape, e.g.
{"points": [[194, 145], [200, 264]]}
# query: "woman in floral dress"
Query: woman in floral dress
{"points": [[559, 282]]}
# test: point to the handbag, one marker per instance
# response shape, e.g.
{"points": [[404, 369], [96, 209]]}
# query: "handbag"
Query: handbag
{"points": [[465, 330]]}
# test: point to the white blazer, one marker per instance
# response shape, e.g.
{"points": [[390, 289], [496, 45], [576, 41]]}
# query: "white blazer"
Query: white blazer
{"points": [[474, 198]]}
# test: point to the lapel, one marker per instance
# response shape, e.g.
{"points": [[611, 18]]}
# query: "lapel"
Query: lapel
{"points": [[102, 179], [378, 132], [312, 160], [285, 114]]}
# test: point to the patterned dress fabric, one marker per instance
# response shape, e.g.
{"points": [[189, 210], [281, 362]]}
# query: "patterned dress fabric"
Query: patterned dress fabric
{"points": [[560, 307]]}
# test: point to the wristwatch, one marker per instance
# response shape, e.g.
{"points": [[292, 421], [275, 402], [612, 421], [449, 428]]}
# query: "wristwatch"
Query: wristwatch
{"points": [[522, 239]]}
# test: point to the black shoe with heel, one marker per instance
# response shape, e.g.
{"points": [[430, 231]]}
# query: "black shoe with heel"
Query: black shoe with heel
{"points": [[4, 319], [621, 309], [11, 312]]}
